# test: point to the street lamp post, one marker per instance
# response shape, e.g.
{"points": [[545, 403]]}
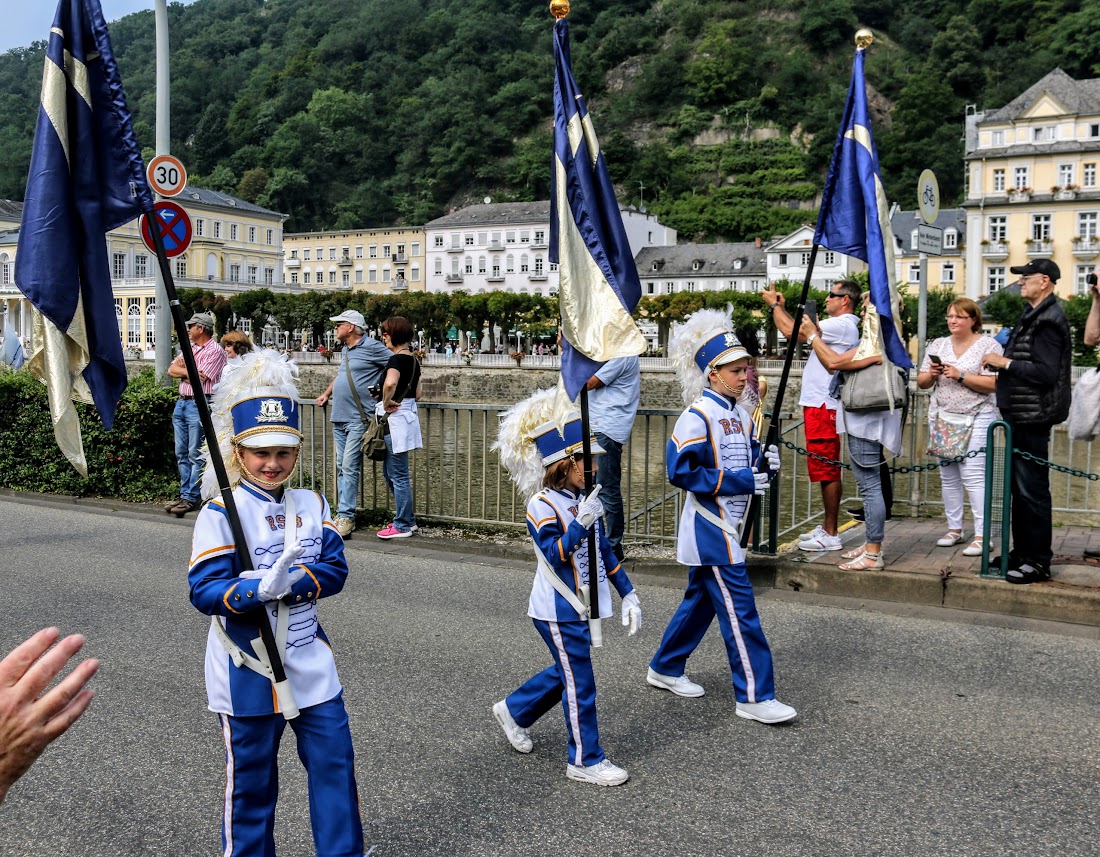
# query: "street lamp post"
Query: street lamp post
{"points": [[162, 324]]}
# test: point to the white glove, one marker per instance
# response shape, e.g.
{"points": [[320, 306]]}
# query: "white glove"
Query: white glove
{"points": [[771, 455], [632, 612], [590, 508], [761, 480], [277, 580]]}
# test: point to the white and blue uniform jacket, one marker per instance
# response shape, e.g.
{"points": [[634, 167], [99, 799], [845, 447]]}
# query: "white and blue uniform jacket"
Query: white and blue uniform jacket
{"points": [[551, 521], [218, 590], [710, 455]]}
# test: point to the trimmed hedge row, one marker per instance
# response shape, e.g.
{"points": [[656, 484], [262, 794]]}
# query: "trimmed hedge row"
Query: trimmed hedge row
{"points": [[135, 461]]}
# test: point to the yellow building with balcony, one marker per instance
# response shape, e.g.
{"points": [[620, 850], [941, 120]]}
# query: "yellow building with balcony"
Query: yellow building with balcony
{"points": [[1032, 185], [381, 261]]}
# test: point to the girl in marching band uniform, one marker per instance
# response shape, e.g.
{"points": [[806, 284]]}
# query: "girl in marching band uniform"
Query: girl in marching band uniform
{"points": [[299, 558], [559, 518]]}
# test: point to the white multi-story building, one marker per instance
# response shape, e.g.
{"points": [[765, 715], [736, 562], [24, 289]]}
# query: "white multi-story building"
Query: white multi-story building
{"points": [[505, 246], [702, 268], [789, 257]]}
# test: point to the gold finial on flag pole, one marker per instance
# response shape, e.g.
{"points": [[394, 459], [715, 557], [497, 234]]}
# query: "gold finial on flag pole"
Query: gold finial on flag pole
{"points": [[864, 37], [559, 8]]}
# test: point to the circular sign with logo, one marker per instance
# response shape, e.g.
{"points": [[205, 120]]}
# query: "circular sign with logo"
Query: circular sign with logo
{"points": [[174, 226], [928, 196], [166, 175]]}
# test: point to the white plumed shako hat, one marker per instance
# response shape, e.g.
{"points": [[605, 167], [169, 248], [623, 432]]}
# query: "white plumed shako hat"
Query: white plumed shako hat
{"points": [[530, 440]]}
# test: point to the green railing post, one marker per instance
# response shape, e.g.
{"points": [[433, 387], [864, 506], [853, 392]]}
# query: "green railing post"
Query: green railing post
{"points": [[998, 496]]}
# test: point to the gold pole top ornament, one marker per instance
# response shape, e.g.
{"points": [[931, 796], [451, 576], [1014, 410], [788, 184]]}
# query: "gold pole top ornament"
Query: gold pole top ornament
{"points": [[864, 38], [559, 8]]}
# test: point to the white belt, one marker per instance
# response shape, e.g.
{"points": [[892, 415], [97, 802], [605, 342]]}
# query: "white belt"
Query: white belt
{"points": [[583, 608], [708, 515]]}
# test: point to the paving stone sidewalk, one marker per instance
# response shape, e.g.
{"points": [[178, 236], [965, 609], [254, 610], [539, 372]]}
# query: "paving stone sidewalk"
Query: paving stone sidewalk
{"points": [[910, 546]]}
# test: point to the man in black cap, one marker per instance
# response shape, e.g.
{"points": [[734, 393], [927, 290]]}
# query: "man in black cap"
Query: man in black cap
{"points": [[210, 359], [1033, 395]]}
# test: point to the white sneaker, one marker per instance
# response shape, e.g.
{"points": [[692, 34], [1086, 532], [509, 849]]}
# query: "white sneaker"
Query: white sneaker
{"points": [[518, 737], [681, 685], [768, 711], [824, 542], [344, 526], [603, 774], [812, 534]]}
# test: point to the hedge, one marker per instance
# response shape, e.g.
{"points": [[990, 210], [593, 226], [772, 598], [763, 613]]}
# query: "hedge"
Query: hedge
{"points": [[135, 461]]}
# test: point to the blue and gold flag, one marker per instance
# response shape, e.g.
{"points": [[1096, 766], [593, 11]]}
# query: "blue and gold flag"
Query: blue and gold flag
{"points": [[854, 217], [86, 178], [599, 285]]}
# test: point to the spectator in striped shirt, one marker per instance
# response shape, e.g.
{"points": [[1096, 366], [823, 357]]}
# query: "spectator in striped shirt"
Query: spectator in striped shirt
{"points": [[210, 359]]}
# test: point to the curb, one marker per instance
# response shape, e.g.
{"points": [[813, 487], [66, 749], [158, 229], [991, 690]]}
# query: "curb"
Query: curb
{"points": [[1058, 602], [1049, 601]]}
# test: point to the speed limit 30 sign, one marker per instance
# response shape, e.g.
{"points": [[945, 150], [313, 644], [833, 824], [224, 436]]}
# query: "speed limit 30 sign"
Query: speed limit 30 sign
{"points": [[166, 175]]}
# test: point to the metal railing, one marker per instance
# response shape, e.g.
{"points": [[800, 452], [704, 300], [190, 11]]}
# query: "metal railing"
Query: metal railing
{"points": [[457, 475]]}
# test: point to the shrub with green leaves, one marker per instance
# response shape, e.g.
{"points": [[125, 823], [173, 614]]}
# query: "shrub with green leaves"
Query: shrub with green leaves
{"points": [[135, 461]]}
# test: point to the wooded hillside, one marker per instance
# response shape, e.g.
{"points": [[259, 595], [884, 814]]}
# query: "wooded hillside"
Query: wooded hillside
{"points": [[721, 115]]}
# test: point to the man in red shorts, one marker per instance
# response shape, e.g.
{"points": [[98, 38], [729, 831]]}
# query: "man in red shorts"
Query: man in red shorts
{"points": [[840, 330]]}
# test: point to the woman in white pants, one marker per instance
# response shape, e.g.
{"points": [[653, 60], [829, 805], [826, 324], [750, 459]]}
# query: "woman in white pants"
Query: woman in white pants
{"points": [[960, 385]]}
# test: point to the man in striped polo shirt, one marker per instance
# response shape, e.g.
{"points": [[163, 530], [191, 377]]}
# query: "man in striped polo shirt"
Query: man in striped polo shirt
{"points": [[210, 359]]}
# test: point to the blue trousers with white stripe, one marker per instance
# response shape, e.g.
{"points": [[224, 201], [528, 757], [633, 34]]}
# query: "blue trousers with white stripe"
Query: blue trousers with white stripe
{"points": [[723, 591], [569, 681], [252, 781]]}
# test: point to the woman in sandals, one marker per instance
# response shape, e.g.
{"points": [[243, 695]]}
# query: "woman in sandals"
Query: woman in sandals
{"points": [[960, 385], [869, 433]]}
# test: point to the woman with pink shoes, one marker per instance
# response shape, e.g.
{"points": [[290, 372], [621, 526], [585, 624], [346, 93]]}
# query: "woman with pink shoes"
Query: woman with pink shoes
{"points": [[962, 395]]}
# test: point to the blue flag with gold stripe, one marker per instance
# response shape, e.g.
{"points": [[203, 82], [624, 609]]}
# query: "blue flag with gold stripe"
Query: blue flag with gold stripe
{"points": [[599, 285], [855, 216], [86, 178]]}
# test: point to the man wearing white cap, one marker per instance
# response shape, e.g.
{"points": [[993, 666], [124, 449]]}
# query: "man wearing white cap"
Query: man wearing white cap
{"points": [[363, 360]]}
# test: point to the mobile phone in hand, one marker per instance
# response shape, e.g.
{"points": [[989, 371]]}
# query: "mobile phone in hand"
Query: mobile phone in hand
{"points": [[935, 359], [810, 310]]}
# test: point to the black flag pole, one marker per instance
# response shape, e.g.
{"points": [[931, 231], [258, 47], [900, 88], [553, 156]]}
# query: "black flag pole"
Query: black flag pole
{"points": [[216, 461], [589, 480], [772, 435]]}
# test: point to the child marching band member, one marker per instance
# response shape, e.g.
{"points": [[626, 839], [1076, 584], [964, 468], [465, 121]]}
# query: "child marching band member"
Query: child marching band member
{"points": [[711, 455], [559, 517], [298, 557]]}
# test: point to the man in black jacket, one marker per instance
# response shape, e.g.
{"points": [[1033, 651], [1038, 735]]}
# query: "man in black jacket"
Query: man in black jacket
{"points": [[1033, 395]]}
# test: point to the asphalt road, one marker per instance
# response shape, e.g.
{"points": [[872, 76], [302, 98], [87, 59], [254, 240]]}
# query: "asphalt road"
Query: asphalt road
{"points": [[916, 736]]}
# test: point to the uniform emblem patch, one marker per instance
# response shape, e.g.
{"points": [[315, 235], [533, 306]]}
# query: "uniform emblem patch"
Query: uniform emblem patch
{"points": [[731, 340], [271, 411]]}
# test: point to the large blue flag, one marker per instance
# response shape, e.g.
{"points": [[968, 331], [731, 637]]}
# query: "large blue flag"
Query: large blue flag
{"points": [[86, 178], [854, 217], [599, 285]]}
